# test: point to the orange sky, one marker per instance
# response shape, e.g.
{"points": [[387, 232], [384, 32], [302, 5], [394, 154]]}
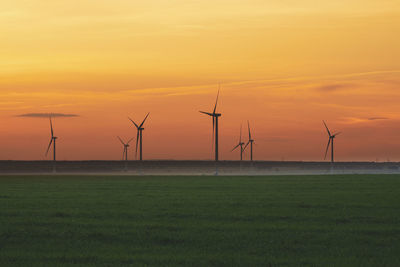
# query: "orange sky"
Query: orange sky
{"points": [[283, 65]]}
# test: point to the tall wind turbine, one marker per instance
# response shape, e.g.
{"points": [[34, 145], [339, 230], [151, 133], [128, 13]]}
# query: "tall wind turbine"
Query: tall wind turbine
{"points": [[215, 117], [240, 144], [126, 145], [52, 140], [251, 142], [330, 142], [139, 136]]}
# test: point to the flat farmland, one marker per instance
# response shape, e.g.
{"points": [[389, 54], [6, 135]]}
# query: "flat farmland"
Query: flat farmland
{"points": [[81, 220]]}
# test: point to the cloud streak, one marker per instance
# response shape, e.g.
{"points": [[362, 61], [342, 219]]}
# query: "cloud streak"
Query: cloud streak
{"points": [[378, 118], [332, 87], [47, 115]]}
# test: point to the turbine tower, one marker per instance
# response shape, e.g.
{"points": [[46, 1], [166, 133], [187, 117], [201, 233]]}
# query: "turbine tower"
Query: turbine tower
{"points": [[139, 136], [126, 145], [240, 144], [215, 117], [52, 140], [251, 142], [330, 142]]}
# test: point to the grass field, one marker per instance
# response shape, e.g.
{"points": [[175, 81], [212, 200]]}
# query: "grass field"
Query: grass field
{"points": [[203, 221]]}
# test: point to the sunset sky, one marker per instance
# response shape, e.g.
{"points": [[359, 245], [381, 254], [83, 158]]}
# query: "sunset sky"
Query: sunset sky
{"points": [[283, 65]]}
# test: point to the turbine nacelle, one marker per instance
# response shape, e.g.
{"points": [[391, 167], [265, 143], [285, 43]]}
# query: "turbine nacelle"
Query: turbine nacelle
{"points": [[52, 141], [211, 114], [240, 144], [139, 134], [215, 117], [249, 142], [126, 145], [330, 141]]}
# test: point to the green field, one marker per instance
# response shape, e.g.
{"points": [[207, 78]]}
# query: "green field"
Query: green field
{"points": [[341, 220]]}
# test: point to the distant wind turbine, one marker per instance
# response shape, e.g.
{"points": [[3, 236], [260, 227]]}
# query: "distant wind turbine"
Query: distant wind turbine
{"points": [[251, 142], [139, 136], [330, 142], [215, 117], [240, 145], [126, 145], [52, 141]]}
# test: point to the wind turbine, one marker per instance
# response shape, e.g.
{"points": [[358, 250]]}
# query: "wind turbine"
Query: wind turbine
{"points": [[139, 136], [330, 142], [251, 142], [52, 140], [240, 144], [215, 117], [126, 145]]}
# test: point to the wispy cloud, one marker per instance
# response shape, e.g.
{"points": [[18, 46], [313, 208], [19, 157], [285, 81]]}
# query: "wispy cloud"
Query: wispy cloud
{"points": [[351, 120], [333, 87], [378, 118], [46, 115]]}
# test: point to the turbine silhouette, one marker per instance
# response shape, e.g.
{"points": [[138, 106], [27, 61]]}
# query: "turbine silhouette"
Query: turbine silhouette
{"points": [[139, 136], [52, 141], [215, 117], [240, 144], [251, 142], [330, 142], [126, 145]]}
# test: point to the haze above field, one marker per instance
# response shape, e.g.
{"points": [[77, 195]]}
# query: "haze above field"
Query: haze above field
{"points": [[284, 65]]}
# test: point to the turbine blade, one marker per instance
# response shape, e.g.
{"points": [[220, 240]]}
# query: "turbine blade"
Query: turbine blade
{"points": [[48, 148], [133, 122], [122, 142], [207, 113], [240, 138], [144, 120], [51, 128], [327, 129], [130, 140], [248, 126], [235, 147], [216, 102], [327, 147], [246, 145], [336, 134]]}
